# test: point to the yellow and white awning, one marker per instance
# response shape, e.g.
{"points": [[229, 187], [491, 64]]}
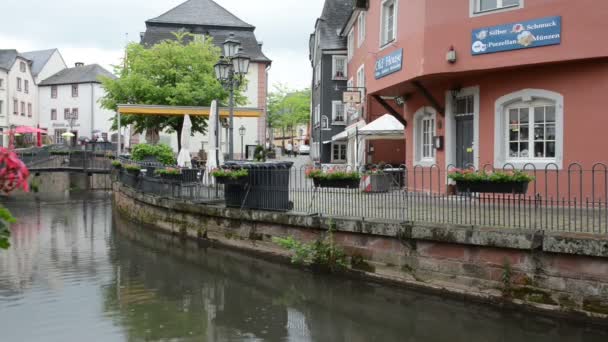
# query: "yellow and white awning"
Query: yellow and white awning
{"points": [[128, 109]]}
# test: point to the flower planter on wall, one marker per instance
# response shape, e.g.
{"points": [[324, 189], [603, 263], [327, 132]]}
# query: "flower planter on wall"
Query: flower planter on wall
{"points": [[492, 187], [336, 183]]}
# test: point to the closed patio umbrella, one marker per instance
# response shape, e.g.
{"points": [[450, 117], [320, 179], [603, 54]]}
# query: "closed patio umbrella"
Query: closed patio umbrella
{"points": [[214, 157], [184, 159]]}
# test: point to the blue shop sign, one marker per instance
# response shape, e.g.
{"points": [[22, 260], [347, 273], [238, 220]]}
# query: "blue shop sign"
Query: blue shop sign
{"points": [[516, 36], [389, 64]]}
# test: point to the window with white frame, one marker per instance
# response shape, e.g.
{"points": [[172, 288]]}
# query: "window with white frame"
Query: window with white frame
{"points": [[1, 107], [350, 44], [339, 68], [338, 152], [350, 84], [529, 128], [361, 76], [317, 74], [361, 29], [424, 132], [18, 83], [22, 67], [388, 22], [481, 6], [338, 112], [324, 122], [317, 114]]}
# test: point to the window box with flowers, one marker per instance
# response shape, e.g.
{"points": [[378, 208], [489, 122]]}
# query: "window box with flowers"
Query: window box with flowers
{"points": [[334, 178], [133, 169], [376, 180], [230, 176], [498, 182], [170, 173]]}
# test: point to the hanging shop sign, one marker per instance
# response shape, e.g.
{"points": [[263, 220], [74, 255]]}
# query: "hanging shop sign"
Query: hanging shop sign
{"points": [[516, 36], [389, 64]]}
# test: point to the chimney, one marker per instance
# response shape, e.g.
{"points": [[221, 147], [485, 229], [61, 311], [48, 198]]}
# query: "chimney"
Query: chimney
{"points": [[79, 64], [260, 44]]}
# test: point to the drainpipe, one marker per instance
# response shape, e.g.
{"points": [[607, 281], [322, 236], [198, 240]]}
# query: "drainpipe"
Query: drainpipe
{"points": [[92, 109]]}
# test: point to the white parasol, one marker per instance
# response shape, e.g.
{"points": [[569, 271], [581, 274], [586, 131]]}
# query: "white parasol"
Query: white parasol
{"points": [[214, 155], [184, 159]]}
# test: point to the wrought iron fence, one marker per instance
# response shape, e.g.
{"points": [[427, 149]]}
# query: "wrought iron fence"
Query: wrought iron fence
{"points": [[573, 198]]}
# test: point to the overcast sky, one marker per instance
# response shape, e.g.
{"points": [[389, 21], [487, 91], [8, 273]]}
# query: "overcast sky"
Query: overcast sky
{"points": [[94, 31]]}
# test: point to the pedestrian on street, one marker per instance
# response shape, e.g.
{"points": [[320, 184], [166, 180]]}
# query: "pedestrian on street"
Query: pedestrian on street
{"points": [[289, 149]]}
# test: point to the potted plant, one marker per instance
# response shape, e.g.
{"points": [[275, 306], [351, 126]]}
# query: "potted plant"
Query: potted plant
{"points": [[169, 173], [502, 182], [116, 165], [230, 176], [133, 169], [376, 180], [334, 178]]}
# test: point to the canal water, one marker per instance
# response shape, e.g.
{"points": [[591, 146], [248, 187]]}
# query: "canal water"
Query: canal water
{"points": [[75, 273]]}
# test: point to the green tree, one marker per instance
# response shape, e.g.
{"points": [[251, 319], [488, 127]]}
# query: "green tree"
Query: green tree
{"points": [[174, 73], [288, 108]]}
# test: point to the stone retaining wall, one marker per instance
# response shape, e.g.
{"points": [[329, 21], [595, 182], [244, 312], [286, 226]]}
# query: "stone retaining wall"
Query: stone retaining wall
{"points": [[562, 273]]}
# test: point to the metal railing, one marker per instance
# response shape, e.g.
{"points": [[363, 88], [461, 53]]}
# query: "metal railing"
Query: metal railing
{"points": [[192, 190], [572, 199], [61, 158]]}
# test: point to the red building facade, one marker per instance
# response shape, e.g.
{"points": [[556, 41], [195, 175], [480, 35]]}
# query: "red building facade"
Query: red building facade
{"points": [[485, 84]]}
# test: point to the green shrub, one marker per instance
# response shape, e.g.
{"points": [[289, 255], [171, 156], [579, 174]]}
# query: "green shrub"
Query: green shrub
{"points": [[162, 153], [324, 252], [260, 154], [116, 164]]}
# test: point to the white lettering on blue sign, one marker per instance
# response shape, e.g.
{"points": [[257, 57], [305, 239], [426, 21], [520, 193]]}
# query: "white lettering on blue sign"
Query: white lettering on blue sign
{"points": [[389, 64], [515, 36]]}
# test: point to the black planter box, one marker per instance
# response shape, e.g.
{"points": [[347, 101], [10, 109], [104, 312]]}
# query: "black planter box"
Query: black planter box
{"points": [[265, 188], [336, 183], [492, 187], [231, 181], [169, 177]]}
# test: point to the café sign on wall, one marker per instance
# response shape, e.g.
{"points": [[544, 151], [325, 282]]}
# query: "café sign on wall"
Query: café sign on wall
{"points": [[389, 64], [516, 36]]}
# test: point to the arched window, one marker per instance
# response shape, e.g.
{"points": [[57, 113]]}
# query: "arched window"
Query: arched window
{"points": [[424, 131], [529, 129]]}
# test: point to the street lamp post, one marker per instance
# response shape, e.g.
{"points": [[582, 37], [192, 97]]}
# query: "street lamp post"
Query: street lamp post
{"points": [[230, 71], [242, 131]]}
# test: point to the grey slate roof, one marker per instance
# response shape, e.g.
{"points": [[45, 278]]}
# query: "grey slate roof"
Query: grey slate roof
{"points": [[83, 74], [204, 17], [39, 59], [335, 14], [200, 12], [7, 58]]}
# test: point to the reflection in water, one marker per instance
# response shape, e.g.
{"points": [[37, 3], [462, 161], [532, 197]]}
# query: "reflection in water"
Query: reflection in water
{"points": [[73, 275]]}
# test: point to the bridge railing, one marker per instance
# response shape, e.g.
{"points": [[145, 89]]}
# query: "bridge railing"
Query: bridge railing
{"points": [[61, 158]]}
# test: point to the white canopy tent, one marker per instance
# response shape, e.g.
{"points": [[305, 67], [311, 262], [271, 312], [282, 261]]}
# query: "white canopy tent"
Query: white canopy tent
{"points": [[386, 127]]}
